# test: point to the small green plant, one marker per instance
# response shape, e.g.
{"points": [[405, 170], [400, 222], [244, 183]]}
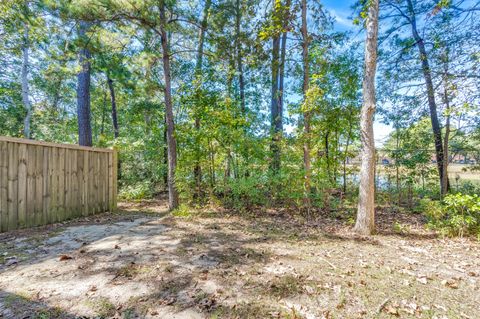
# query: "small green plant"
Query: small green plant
{"points": [[182, 211], [400, 228]]}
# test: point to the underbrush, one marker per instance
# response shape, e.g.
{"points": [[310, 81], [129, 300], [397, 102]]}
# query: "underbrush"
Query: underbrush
{"points": [[137, 191], [457, 215]]}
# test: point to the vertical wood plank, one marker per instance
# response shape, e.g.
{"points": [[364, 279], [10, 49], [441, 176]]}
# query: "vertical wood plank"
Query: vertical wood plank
{"points": [[53, 168], [86, 183], [22, 185], [115, 172], [80, 175], [67, 191], [31, 161], [104, 181], [12, 185], [3, 186], [47, 184], [110, 182], [91, 183], [95, 185], [38, 208], [61, 184], [74, 199]]}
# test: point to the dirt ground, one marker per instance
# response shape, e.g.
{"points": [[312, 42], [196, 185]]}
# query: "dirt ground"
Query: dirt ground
{"points": [[145, 263]]}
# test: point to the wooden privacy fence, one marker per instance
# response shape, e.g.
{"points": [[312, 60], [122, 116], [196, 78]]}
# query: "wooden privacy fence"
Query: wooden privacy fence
{"points": [[43, 183]]}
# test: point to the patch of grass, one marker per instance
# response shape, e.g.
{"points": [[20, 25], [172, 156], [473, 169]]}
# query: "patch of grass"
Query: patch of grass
{"points": [[102, 306], [253, 310], [19, 297], [286, 286], [241, 255], [48, 313], [182, 211]]}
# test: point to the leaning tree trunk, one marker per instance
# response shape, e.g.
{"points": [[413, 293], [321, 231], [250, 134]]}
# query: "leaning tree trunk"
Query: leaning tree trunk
{"points": [[83, 90], [427, 74], [173, 200], [365, 223], [306, 112], [25, 87]]}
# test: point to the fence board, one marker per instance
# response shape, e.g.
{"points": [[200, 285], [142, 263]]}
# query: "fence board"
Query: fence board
{"points": [[3, 186], [42, 183]]}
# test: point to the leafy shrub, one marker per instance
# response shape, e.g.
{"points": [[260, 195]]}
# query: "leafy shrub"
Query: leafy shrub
{"points": [[242, 193], [137, 191], [457, 215]]}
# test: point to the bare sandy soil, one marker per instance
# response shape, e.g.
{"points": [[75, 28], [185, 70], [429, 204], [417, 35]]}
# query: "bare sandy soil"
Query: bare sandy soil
{"points": [[145, 263]]}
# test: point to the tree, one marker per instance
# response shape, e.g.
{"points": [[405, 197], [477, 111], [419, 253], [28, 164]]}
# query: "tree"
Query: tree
{"points": [[306, 113], [197, 171], [365, 223], [83, 87], [173, 201], [25, 86]]}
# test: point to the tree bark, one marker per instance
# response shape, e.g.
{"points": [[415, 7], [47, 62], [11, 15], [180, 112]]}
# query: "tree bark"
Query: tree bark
{"points": [[173, 200], [278, 70], [274, 109], [83, 90], [197, 170], [25, 87], [238, 45], [365, 223], [114, 106], [427, 74], [306, 113], [445, 184]]}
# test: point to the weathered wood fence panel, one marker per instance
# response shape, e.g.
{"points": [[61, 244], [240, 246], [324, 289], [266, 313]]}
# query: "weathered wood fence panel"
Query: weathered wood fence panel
{"points": [[43, 183]]}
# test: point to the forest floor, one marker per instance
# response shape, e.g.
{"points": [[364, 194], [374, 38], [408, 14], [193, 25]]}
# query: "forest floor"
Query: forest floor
{"points": [[145, 263]]}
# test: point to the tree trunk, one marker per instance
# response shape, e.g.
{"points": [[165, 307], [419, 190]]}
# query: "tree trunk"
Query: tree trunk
{"points": [[445, 183], [274, 109], [173, 200], [347, 144], [165, 152], [306, 113], [83, 90], [25, 87], [278, 71], [437, 132], [238, 45], [365, 223], [114, 106], [104, 111], [197, 170]]}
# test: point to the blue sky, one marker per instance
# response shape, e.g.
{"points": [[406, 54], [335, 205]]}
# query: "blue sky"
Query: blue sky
{"points": [[342, 12]]}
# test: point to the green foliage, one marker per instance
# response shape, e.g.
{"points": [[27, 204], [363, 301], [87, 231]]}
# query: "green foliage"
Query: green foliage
{"points": [[182, 211], [243, 193], [457, 215], [137, 191]]}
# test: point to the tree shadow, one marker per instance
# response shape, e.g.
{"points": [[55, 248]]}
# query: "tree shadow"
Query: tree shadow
{"points": [[14, 306]]}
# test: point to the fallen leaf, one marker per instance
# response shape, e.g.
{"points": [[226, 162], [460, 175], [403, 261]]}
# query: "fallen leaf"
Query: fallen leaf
{"points": [[391, 310], [64, 257], [450, 283]]}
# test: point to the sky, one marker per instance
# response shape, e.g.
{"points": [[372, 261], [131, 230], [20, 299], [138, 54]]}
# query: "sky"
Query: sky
{"points": [[342, 12]]}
